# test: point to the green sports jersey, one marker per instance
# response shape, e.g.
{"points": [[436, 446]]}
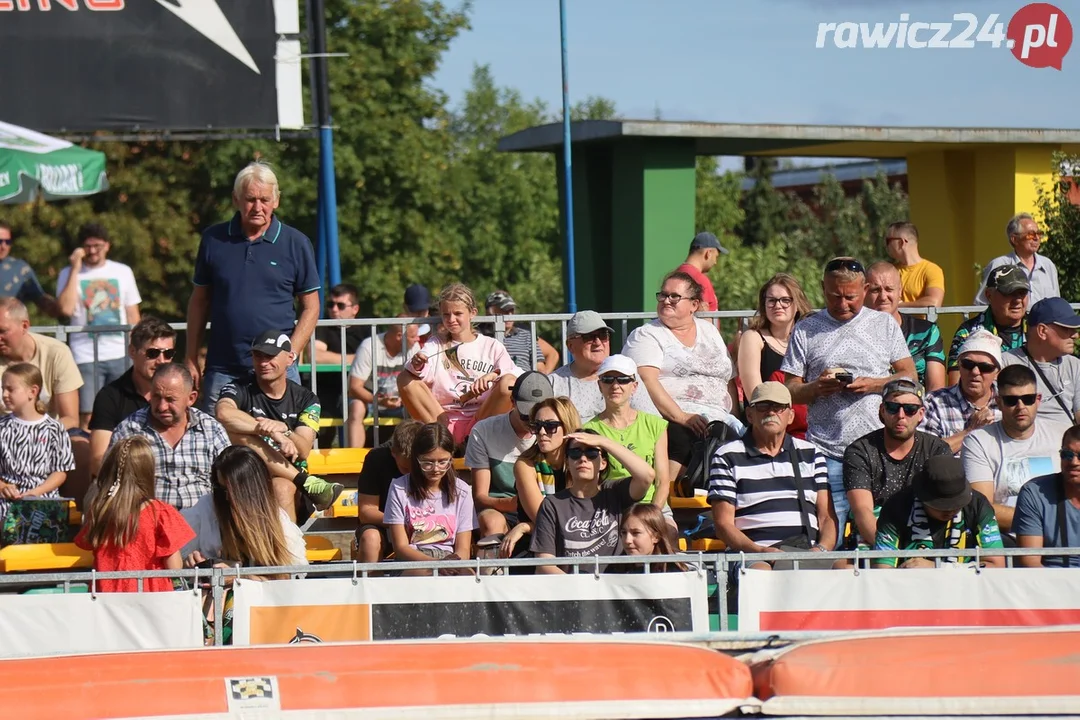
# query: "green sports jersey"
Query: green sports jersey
{"points": [[640, 438], [924, 342]]}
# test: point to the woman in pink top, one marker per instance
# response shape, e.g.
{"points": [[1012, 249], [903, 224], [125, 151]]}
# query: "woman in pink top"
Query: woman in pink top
{"points": [[458, 377]]}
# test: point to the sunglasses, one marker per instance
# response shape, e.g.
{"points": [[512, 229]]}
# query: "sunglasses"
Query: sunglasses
{"points": [[599, 335], [548, 426], [984, 367], [155, 353], [616, 379], [429, 465], [576, 453], [7, 241], [1068, 455], [894, 408], [1014, 400], [844, 264], [331, 305]]}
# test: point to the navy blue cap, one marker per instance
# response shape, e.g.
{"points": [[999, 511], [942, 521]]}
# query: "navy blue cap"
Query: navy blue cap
{"points": [[705, 240], [1053, 311], [417, 298]]}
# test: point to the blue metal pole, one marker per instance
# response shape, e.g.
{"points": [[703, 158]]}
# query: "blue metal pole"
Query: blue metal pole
{"points": [[328, 200], [568, 181]]}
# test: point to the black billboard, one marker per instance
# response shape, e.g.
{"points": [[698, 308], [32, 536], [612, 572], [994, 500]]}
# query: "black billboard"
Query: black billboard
{"points": [[83, 65]]}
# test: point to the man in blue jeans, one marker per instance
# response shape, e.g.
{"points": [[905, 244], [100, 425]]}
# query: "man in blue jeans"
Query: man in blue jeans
{"points": [[837, 363], [247, 273]]}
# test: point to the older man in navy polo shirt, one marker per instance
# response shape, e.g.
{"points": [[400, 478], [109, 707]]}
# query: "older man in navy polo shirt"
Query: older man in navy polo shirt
{"points": [[247, 272]]}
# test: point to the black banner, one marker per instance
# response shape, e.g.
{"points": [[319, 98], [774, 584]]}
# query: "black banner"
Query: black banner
{"points": [[82, 65], [465, 619]]}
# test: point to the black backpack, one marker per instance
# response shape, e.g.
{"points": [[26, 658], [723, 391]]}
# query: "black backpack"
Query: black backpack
{"points": [[695, 475]]}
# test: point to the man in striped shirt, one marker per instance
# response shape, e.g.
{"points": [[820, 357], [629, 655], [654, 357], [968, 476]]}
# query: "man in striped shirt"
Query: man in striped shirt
{"points": [[769, 488]]}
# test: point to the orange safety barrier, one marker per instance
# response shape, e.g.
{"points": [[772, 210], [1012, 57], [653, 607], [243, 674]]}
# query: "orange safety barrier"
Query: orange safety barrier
{"points": [[470, 679], [1007, 672]]}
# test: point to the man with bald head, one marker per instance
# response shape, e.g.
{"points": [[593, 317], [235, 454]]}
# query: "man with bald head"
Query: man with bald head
{"points": [[883, 292], [185, 441]]}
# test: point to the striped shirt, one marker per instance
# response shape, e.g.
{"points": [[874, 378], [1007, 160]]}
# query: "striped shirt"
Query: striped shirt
{"points": [[763, 490], [183, 472], [519, 345], [948, 412]]}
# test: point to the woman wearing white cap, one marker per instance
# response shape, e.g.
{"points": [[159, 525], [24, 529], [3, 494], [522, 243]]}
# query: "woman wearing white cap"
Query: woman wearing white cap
{"points": [[643, 433]]}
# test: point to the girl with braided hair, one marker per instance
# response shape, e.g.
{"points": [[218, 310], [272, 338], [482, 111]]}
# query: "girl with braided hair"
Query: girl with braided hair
{"points": [[126, 527]]}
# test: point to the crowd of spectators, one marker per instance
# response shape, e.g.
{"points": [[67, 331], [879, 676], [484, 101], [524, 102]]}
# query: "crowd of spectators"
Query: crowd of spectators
{"points": [[842, 428]]}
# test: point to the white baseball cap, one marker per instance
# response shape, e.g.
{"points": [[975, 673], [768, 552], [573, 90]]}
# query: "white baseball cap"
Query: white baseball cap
{"points": [[618, 364], [983, 341]]}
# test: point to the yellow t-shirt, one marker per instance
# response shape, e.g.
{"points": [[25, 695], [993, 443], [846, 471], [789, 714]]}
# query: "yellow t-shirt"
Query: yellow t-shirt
{"points": [[58, 369], [915, 279]]}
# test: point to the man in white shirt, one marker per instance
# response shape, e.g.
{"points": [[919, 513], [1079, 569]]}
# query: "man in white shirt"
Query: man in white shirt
{"points": [[1026, 239], [95, 291], [1000, 458], [838, 362], [376, 382]]}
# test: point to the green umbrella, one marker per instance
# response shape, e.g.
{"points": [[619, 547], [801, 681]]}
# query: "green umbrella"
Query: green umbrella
{"points": [[33, 164]]}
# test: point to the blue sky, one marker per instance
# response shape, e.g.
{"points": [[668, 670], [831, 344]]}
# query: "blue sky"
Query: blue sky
{"points": [[755, 61]]}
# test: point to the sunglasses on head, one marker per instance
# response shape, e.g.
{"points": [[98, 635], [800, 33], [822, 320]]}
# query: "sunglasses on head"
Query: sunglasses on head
{"points": [[155, 353], [894, 408], [1068, 455], [576, 453], [844, 264], [984, 367], [548, 426], [616, 379], [1014, 400]]}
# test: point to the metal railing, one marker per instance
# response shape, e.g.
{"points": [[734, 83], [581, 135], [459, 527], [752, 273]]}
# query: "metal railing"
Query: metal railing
{"points": [[620, 322], [216, 580]]}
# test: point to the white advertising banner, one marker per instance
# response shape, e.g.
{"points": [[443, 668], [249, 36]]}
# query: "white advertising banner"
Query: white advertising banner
{"points": [[823, 600], [295, 611], [37, 625]]}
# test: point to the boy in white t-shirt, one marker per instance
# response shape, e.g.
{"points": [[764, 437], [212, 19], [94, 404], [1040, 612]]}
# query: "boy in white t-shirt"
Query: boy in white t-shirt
{"points": [[459, 377], [104, 293]]}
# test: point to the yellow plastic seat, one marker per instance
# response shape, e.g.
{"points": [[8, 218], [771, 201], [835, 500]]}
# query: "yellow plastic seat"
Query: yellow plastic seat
{"points": [[344, 506], [708, 545], [698, 502], [319, 549], [682, 544], [44, 556], [368, 422], [336, 461]]}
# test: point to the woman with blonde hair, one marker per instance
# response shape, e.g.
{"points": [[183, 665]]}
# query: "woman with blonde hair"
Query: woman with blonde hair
{"points": [[541, 470], [126, 527], [240, 522], [781, 304], [458, 376]]}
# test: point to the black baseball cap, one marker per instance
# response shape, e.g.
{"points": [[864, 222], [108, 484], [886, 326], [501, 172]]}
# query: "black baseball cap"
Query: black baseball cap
{"points": [[941, 484], [417, 298], [705, 240], [271, 342]]}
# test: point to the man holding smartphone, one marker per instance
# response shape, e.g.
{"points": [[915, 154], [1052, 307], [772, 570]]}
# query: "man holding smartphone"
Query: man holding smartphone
{"points": [[838, 362]]}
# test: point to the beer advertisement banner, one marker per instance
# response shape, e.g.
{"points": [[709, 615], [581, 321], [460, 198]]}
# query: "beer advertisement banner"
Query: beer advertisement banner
{"points": [[37, 625], [85, 65], [297, 611], [880, 599]]}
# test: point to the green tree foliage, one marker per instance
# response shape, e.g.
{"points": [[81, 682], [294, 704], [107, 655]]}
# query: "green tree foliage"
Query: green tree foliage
{"points": [[1060, 220], [789, 235]]}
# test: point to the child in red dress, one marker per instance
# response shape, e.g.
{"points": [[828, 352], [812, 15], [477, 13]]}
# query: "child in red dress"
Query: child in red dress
{"points": [[126, 527]]}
